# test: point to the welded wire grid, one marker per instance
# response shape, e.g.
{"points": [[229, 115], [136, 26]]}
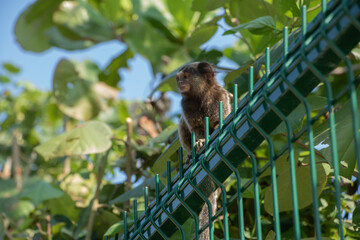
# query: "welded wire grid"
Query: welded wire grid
{"points": [[320, 47]]}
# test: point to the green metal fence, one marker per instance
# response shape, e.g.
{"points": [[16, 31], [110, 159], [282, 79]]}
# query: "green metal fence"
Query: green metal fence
{"points": [[315, 52]]}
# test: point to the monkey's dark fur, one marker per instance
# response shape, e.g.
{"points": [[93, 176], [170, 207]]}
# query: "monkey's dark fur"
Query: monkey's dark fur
{"points": [[200, 98]]}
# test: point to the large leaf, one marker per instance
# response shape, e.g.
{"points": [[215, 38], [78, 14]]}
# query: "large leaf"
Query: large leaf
{"points": [[63, 205], [88, 138], [257, 26], [289, 8], [40, 191], [248, 10], [82, 19], [32, 24], [76, 90], [303, 185], [151, 44], [344, 139], [181, 12], [200, 35]]}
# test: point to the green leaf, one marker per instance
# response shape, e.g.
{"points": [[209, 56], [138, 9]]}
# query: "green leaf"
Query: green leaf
{"points": [[164, 135], [181, 12], [11, 68], [69, 41], [63, 205], [213, 56], [118, 228], [4, 79], [344, 139], [82, 19], [151, 44], [168, 83], [200, 35], [19, 209], [77, 92], [110, 75], [207, 5], [259, 26], [2, 227], [169, 154], [88, 138], [271, 235], [296, 117], [248, 10], [104, 220], [289, 8], [356, 215], [159, 23], [110, 8], [239, 53], [33, 23], [303, 185], [36, 192]]}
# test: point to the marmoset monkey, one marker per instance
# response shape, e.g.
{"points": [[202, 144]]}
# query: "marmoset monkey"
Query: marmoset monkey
{"points": [[200, 98]]}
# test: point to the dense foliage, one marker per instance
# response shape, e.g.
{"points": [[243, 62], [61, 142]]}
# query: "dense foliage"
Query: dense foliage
{"points": [[60, 151]]}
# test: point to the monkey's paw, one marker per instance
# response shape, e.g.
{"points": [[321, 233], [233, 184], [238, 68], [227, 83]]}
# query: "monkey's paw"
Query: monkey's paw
{"points": [[199, 144]]}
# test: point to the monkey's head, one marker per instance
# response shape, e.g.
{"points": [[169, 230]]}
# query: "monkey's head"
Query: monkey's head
{"points": [[195, 78]]}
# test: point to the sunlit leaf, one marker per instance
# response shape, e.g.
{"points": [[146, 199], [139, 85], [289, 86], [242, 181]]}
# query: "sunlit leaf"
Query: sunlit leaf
{"points": [[289, 8], [151, 44], [76, 91], [110, 8], [258, 26], [181, 12], [88, 138], [33, 23], [200, 36], [20, 209], [80, 18]]}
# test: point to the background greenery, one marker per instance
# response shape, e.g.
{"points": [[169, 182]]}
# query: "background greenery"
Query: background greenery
{"points": [[60, 149]]}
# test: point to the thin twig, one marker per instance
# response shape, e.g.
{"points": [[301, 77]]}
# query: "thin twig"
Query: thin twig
{"points": [[128, 158], [95, 201]]}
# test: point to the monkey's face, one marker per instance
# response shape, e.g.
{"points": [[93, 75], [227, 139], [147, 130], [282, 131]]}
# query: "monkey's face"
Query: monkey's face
{"points": [[183, 81], [195, 77]]}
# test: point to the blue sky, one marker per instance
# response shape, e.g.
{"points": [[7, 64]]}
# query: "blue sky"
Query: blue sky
{"points": [[38, 68]]}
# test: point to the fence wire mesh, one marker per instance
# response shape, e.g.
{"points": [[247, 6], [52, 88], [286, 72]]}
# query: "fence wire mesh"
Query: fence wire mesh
{"points": [[283, 146]]}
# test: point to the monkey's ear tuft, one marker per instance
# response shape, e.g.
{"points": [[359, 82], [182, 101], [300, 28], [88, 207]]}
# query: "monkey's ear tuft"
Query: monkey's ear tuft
{"points": [[206, 69]]}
